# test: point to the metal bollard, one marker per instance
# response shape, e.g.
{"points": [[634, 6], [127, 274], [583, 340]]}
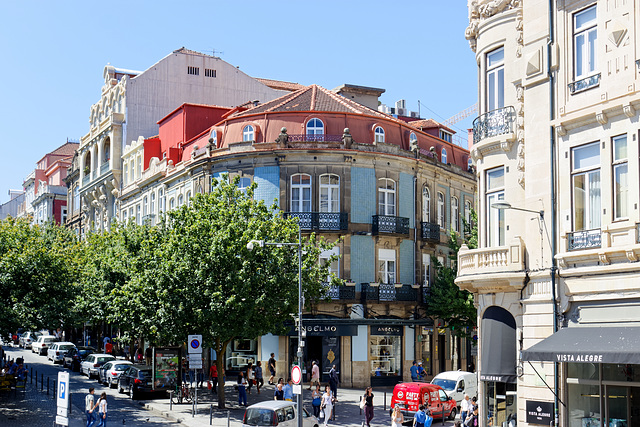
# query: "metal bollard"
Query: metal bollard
{"points": [[47, 385], [211, 414], [55, 389], [228, 418], [171, 400], [384, 408], [442, 414], [41, 382], [193, 409]]}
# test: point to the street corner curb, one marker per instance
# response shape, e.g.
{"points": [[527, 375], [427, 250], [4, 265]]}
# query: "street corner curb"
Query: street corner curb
{"points": [[165, 414]]}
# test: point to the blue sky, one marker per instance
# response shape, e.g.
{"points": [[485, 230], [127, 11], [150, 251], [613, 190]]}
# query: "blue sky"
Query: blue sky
{"points": [[53, 54]]}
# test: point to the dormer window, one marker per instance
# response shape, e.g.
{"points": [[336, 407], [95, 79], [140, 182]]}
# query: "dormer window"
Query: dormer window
{"points": [[248, 133], [315, 127], [444, 135], [378, 134]]}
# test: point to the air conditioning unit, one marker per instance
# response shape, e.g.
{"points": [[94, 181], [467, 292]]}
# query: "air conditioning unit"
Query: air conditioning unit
{"points": [[415, 115], [402, 112], [401, 103]]}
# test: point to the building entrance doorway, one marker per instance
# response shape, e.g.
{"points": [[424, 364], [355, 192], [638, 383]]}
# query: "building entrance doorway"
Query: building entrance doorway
{"points": [[323, 349]]}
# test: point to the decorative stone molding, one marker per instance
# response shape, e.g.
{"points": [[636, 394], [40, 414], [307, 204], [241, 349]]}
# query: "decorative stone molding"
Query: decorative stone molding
{"points": [[628, 110], [561, 130], [520, 133], [483, 9], [631, 255], [602, 118], [604, 258]]}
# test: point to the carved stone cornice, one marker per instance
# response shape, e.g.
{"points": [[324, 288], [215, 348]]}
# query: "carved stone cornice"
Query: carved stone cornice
{"points": [[480, 10]]}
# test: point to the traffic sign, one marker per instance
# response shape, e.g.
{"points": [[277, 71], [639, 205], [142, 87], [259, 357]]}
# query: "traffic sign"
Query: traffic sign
{"points": [[63, 390], [63, 421], [195, 361], [194, 343], [296, 374]]}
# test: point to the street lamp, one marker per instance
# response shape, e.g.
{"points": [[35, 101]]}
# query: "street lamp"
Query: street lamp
{"points": [[261, 243], [507, 205]]}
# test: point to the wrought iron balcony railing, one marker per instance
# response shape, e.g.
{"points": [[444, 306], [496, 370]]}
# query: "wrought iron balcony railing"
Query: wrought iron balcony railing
{"points": [[386, 292], [430, 231], [584, 239], [322, 221], [389, 224], [315, 138], [341, 292], [584, 84], [494, 123]]}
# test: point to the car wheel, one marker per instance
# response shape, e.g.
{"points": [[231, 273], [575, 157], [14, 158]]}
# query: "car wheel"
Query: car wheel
{"points": [[452, 415]]}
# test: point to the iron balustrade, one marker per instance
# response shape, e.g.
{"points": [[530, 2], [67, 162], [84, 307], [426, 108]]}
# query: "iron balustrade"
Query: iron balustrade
{"points": [[321, 221], [340, 292], [584, 84], [388, 292], [430, 231], [494, 123], [389, 224], [584, 239], [315, 138]]}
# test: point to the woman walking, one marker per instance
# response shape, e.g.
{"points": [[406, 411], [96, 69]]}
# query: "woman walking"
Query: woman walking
{"points": [[259, 378], [327, 404], [316, 400], [102, 410], [396, 417], [249, 377], [242, 391], [368, 405]]}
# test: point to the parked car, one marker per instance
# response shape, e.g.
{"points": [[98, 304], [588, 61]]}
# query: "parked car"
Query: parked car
{"points": [[57, 350], [75, 356], [408, 396], [457, 383], [110, 372], [42, 344], [90, 365], [136, 379], [27, 339], [279, 413]]}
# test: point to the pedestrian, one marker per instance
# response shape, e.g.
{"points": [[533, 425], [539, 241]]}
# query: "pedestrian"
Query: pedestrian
{"points": [[272, 368], [259, 378], [396, 417], [105, 340], [414, 372], [213, 376], [421, 371], [278, 394], [288, 390], [242, 391], [474, 420], [108, 347], [89, 403], [316, 400], [250, 377], [421, 418], [315, 374], [147, 355], [102, 410], [368, 405], [126, 351], [333, 382], [327, 404], [464, 408]]}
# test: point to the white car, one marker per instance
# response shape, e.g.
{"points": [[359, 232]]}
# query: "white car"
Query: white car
{"points": [[92, 363], [57, 350], [279, 413], [109, 373], [42, 345]]}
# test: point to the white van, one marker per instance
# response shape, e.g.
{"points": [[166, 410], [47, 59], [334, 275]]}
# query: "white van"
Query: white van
{"points": [[457, 384]]}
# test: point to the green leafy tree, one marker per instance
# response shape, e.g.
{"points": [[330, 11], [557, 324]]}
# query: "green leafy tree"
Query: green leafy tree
{"points": [[211, 283], [446, 301]]}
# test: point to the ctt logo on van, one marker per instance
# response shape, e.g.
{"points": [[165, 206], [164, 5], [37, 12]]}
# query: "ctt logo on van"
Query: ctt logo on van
{"points": [[400, 394]]}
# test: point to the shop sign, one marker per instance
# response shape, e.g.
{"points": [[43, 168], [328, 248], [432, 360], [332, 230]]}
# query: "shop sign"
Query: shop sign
{"points": [[325, 329], [539, 412], [386, 330]]}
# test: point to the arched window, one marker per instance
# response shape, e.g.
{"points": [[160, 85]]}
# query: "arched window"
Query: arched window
{"points": [[213, 136], [188, 198], [455, 220], [153, 204], [106, 149], [180, 200], [378, 134], [301, 193], [243, 183], [144, 206], [329, 193], [87, 163], [441, 221], [386, 197], [426, 204], [172, 203], [315, 127], [469, 164], [443, 156], [413, 139], [248, 133]]}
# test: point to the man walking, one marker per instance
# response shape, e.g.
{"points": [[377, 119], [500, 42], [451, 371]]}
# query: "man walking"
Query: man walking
{"points": [[272, 368], [88, 407], [414, 372], [315, 375], [333, 382]]}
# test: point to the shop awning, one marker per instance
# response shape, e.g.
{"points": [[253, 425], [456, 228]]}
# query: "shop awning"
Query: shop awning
{"points": [[498, 344], [588, 345]]}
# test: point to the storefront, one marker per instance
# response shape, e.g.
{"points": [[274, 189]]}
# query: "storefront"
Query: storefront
{"points": [[601, 370], [385, 354], [240, 352]]}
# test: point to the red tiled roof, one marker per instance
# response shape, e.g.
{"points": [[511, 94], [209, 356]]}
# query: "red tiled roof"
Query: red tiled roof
{"points": [[66, 149], [429, 124], [280, 85]]}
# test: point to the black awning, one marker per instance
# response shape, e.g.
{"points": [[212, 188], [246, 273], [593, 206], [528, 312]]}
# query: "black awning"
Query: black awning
{"points": [[498, 343], [620, 344]]}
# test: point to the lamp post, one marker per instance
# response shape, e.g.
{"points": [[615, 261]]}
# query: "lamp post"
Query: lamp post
{"points": [[506, 205], [261, 244]]}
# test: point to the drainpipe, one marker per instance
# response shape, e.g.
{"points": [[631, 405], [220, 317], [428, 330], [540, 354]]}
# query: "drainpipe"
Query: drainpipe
{"points": [[416, 258], [553, 172]]}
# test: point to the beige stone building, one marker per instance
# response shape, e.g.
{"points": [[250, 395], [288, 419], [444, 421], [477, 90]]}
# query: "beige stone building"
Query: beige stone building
{"points": [[556, 278]]}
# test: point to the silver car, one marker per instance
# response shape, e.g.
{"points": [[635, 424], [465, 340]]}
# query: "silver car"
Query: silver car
{"points": [[279, 413], [93, 362], [27, 339], [109, 373], [42, 344], [57, 350]]}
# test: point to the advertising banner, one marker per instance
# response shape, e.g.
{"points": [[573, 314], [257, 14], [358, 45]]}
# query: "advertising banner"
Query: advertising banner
{"points": [[166, 368]]}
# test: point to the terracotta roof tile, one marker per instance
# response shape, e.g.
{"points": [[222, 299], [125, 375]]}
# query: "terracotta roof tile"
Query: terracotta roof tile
{"points": [[66, 149], [429, 124], [280, 85]]}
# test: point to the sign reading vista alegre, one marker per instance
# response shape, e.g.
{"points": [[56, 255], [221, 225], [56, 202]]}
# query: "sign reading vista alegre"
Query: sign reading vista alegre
{"points": [[539, 412], [596, 358]]}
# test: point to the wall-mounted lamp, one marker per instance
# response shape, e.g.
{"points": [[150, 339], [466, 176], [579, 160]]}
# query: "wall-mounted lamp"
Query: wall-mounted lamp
{"points": [[506, 205]]}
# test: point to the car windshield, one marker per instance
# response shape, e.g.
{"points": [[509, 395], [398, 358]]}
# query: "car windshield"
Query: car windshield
{"points": [[445, 384], [121, 367], [258, 417], [49, 339], [104, 359], [65, 347], [144, 374]]}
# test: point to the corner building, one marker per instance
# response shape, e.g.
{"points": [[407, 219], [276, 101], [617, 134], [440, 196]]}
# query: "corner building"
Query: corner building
{"points": [[389, 188], [556, 279]]}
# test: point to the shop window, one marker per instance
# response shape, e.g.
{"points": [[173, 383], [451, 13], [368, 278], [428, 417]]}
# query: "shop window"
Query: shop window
{"points": [[385, 355], [240, 353]]}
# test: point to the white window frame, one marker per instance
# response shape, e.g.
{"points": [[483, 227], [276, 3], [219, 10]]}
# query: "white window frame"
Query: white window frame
{"points": [[441, 212], [334, 267], [467, 212], [592, 202], [243, 184], [301, 192], [315, 126], [620, 175], [494, 217], [187, 198], [386, 272], [378, 134], [443, 156], [413, 138], [329, 193], [495, 74], [426, 204], [248, 133], [386, 197], [455, 214], [145, 205], [160, 201], [426, 273], [585, 41], [172, 203]]}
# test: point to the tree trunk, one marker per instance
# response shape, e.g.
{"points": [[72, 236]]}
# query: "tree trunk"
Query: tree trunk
{"points": [[220, 350]]}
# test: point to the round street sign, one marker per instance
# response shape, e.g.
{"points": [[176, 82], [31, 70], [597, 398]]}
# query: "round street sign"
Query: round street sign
{"points": [[296, 374], [195, 344]]}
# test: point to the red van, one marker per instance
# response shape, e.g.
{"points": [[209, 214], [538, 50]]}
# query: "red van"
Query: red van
{"points": [[408, 396]]}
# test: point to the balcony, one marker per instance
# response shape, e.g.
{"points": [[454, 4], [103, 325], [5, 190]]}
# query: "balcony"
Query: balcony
{"points": [[584, 84], [315, 138], [148, 219], [388, 292], [498, 259], [104, 167], [494, 123], [389, 224], [584, 239], [344, 292], [430, 231], [320, 221]]}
